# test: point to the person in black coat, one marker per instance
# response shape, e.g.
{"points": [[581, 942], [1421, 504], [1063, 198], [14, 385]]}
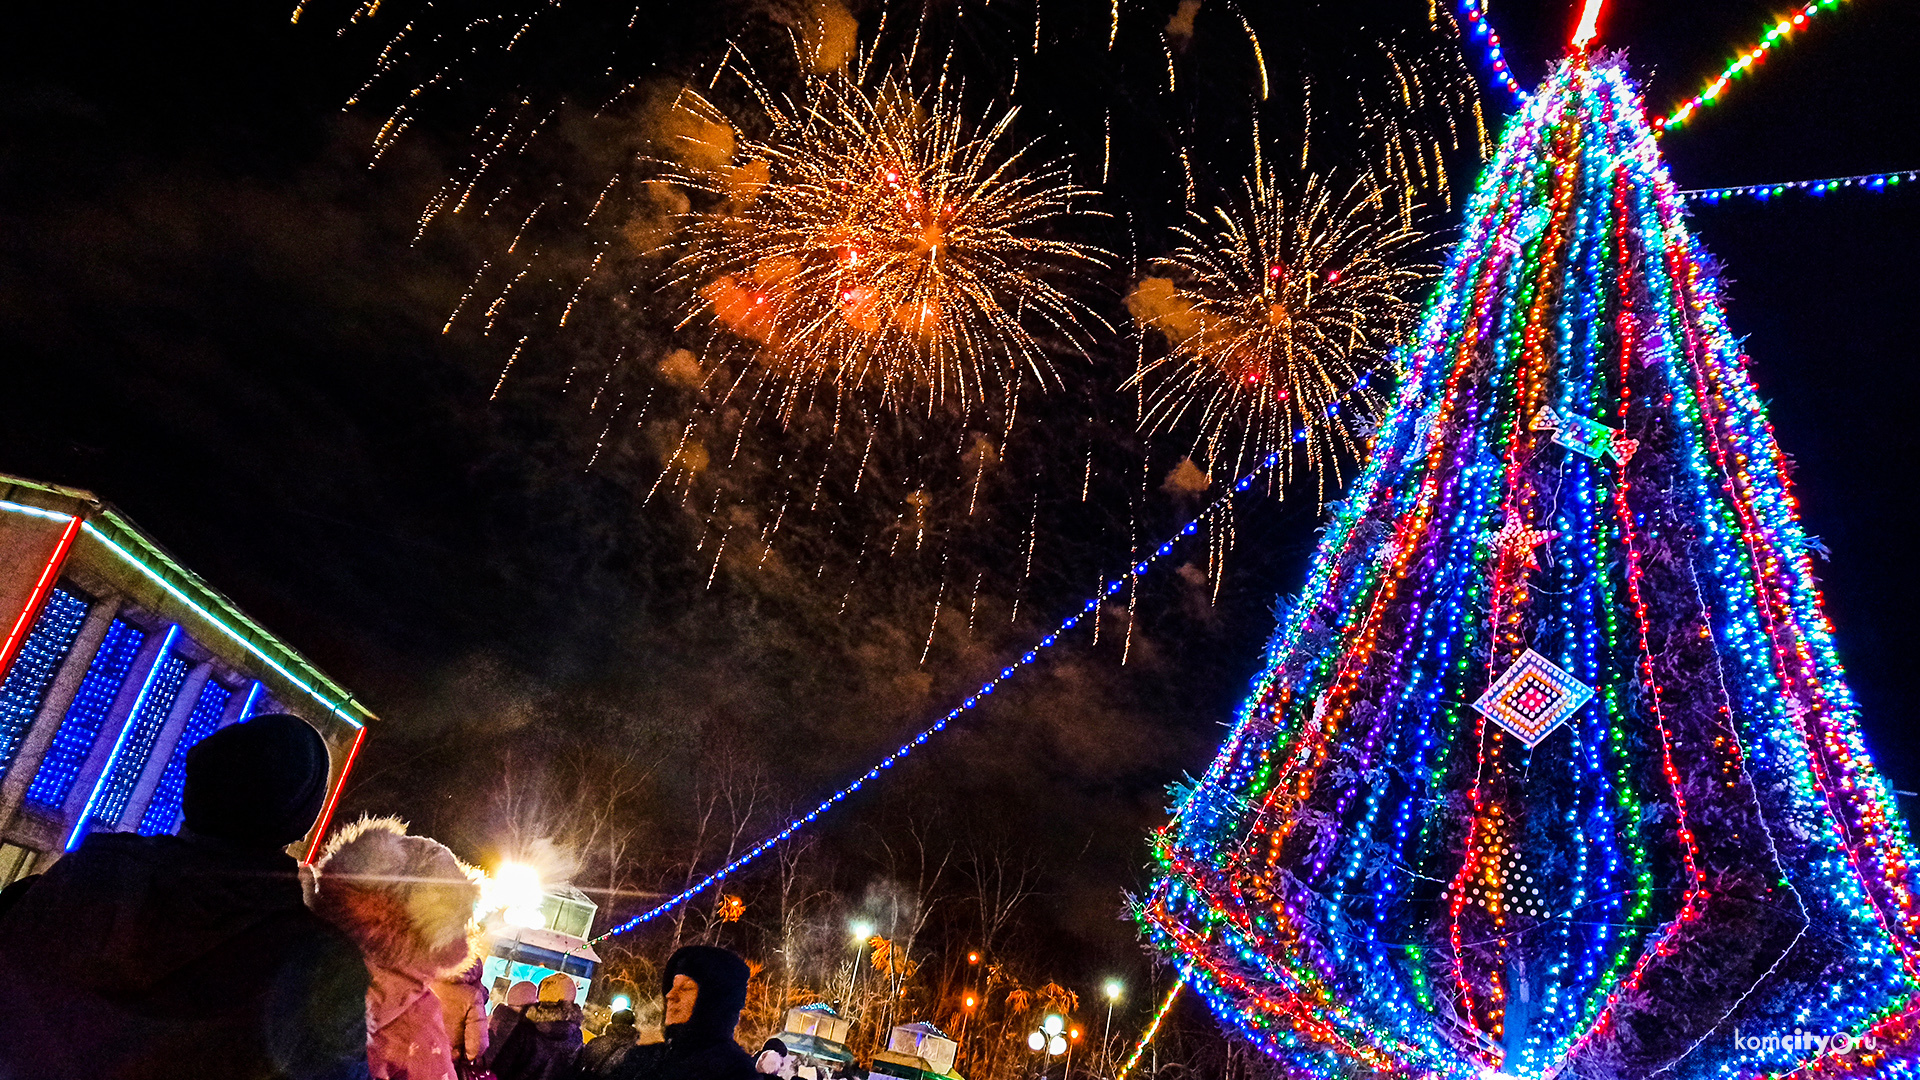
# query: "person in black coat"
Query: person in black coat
{"points": [[141, 957], [705, 989], [610, 1048]]}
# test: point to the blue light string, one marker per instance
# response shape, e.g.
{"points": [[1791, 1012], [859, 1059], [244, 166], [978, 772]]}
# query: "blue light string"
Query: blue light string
{"points": [[1480, 30], [1815, 188], [35, 665], [247, 706], [1108, 588], [162, 815], [80, 728], [133, 719]]}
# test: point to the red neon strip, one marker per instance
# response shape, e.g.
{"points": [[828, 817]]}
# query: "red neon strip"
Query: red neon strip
{"points": [[39, 594], [333, 800]]}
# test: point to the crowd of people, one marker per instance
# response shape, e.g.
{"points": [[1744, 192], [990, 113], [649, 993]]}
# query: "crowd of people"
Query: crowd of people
{"points": [[213, 954]]}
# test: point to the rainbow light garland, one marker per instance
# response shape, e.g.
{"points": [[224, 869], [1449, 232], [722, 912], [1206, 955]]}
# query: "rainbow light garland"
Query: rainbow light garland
{"points": [[1371, 876], [1482, 31], [1107, 588], [1816, 188], [1779, 32], [1153, 1028]]}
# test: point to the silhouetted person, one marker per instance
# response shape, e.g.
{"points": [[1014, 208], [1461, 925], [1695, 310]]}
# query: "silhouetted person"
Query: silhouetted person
{"points": [[609, 1050], [705, 989], [190, 955]]}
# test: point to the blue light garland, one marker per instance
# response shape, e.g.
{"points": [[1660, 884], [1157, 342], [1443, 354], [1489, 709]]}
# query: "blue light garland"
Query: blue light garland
{"points": [[80, 728], [1480, 30], [34, 667], [1816, 188], [162, 814], [1107, 588], [167, 673]]}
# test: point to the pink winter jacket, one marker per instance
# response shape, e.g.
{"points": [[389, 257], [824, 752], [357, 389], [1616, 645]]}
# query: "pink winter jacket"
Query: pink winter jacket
{"points": [[408, 903], [463, 1010], [406, 1032]]}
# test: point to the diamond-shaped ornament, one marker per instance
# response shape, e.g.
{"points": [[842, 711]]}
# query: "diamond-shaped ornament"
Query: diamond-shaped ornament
{"points": [[1533, 697]]}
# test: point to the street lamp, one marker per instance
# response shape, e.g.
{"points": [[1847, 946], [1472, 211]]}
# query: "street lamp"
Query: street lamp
{"points": [[1113, 989], [861, 931], [1051, 1039]]}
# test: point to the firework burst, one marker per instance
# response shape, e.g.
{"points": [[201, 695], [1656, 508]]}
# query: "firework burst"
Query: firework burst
{"points": [[876, 242], [1278, 318]]}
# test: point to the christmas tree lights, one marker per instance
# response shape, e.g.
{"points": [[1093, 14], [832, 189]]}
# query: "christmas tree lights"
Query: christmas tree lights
{"points": [[1552, 770]]}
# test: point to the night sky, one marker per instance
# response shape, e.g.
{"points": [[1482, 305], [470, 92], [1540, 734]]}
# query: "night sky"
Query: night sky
{"points": [[212, 315]]}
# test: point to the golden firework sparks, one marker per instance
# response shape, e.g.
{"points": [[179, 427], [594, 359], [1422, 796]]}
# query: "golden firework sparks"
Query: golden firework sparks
{"points": [[875, 241], [1277, 318]]}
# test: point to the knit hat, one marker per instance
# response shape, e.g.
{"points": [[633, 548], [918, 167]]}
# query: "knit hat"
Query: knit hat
{"points": [[258, 783]]}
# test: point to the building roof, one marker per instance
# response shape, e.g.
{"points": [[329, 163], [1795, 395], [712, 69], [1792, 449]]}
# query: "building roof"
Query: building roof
{"points": [[118, 535]]}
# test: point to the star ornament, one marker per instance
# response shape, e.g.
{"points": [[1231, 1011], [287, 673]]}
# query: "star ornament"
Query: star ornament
{"points": [[1522, 541]]}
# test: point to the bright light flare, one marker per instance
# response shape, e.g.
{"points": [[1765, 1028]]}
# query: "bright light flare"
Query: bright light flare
{"points": [[1589, 27], [514, 890]]}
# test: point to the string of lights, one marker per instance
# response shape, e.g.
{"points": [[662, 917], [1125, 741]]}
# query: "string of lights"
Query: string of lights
{"points": [[1108, 588], [1747, 58], [1817, 188], [1480, 30], [1152, 1029]]}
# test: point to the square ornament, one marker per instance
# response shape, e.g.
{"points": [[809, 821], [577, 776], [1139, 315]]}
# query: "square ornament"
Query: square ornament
{"points": [[1533, 697]]}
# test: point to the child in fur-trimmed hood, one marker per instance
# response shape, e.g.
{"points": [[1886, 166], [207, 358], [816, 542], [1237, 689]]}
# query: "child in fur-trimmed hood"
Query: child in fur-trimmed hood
{"points": [[408, 903]]}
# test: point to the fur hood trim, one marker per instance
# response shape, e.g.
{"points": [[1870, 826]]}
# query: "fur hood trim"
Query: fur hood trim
{"points": [[548, 1012], [407, 901]]}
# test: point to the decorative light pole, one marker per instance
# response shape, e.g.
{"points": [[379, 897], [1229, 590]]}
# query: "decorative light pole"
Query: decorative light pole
{"points": [[1051, 1040], [861, 930], [1113, 988]]}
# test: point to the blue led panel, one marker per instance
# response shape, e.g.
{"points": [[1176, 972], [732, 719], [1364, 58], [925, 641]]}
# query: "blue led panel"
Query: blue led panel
{"points": [[163, 810], [136, 745], [81, 727], [34, 667]]}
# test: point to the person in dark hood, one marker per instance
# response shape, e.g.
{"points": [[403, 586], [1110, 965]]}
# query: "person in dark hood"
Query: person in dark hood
{"points": [[190, 955], [609, 1050], [705, 989]]}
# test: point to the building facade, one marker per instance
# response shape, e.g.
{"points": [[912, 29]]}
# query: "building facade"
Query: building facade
{"points": [[116, 660]]}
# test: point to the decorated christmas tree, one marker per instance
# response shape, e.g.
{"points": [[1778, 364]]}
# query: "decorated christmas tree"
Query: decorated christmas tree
{"points": [[1552, 770]]}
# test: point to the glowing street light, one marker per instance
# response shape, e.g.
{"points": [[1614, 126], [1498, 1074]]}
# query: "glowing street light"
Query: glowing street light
{"points": [[861, 929], [620, 1003], [1053, 1024], [514, 890], [1113, 988], [1037, 1041]]}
